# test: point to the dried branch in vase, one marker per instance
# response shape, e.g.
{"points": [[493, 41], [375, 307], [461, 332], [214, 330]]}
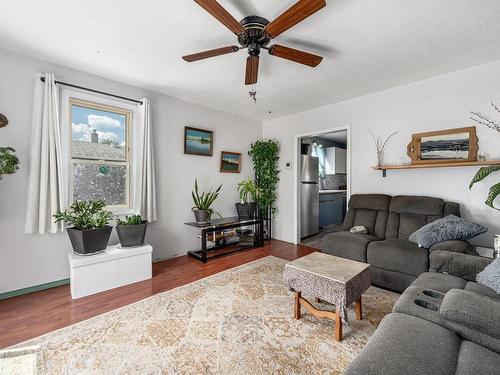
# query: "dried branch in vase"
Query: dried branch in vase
{"points": [[380, 145], [483, 120]]}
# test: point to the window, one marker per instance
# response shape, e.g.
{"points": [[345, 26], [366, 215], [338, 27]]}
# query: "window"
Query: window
{"points": [[100, 153]]}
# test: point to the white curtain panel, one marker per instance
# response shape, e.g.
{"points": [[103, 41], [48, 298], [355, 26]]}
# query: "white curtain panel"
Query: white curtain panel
{"points": [[146, 170], [46, 182]]}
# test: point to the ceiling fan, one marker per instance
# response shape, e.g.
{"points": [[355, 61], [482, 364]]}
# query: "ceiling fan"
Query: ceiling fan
{"points": [[255, 33]]}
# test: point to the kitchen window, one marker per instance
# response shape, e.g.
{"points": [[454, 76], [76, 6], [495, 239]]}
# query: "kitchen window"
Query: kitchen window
{"points": [[100, 153]]}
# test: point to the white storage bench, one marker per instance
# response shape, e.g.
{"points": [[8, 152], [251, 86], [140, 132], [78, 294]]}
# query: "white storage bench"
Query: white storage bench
{"points": [[110, 269]]}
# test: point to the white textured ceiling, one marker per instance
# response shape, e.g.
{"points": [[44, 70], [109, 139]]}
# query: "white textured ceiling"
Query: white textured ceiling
{"points": [[368, 46], [340, 136]]}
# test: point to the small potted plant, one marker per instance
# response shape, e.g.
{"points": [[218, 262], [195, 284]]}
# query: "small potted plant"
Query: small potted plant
{"points": [[247, 208], [9, 162], [131, 231], [202, 203], [88, 226]]}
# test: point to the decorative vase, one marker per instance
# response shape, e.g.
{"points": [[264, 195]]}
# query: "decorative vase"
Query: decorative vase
{"points": [[89, 242], [132, 235], [380, 158], [496, 247], [201, 216]]}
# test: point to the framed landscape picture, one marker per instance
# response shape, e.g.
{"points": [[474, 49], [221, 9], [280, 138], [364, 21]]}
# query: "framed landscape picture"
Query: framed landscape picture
{"points": [[444, 146], [198, 141], [230, 162]]}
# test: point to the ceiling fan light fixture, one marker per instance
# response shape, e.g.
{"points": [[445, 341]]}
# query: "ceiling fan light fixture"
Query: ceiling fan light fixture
{"points": [[255, 32]]}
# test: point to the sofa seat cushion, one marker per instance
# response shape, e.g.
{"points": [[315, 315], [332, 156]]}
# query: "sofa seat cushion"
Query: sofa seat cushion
{"points": [[439, 282], [403, 344], [473, 317], [474, 359], [398, 255], [472, 286], [347, 245]]}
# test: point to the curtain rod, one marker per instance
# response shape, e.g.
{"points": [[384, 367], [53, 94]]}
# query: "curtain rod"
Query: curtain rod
{"points": [[96, 91]]}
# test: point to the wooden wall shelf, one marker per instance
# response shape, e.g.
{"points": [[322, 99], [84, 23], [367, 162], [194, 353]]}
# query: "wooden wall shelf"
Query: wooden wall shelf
{"points": [[478, 163]]}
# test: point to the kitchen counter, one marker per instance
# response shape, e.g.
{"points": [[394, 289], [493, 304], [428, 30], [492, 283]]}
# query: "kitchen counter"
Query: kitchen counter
{"points": [[332, 191]]}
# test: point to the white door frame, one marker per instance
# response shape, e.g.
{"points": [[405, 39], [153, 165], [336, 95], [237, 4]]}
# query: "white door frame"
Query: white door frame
{"points": [[296, 164]]}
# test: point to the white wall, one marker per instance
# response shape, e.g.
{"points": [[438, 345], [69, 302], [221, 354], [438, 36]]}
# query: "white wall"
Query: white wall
{"points": [[438, 103], [27, 260]]}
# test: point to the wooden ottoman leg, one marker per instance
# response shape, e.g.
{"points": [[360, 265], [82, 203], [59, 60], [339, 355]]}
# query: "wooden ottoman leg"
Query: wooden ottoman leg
{"points": [[338, 326], [358, 309], [297, 305]]}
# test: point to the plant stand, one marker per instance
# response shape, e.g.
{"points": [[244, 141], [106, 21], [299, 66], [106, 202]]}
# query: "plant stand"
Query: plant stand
{"points": [[110, 269], [220, 225]]}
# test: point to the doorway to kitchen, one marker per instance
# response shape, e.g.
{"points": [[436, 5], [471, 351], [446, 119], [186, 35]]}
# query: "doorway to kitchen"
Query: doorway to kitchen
{"points": [[323, 184]]}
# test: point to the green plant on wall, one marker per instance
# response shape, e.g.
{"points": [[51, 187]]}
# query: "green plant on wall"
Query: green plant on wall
{"points": [[494, 190], [265, 157], [486, 171], [9, 162]]}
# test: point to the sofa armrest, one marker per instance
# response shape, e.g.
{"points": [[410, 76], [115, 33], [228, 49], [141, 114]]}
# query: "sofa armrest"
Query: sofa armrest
{"points": [[473, 317], [454, 246], [462, 265]]}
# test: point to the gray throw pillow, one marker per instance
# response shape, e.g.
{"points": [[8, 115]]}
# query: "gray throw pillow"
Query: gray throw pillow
{"points": [[490, 276], [448, 228]]}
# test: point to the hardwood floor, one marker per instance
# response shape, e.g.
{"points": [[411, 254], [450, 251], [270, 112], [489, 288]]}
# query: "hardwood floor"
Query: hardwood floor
{"points": [[34, 314]]}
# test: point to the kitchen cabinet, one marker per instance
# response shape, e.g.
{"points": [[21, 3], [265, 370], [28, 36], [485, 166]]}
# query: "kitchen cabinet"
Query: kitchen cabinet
{"points": [[335, 160], [332, 208]]}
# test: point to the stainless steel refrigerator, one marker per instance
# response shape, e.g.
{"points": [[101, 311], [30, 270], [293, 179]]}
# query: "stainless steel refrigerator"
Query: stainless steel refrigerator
{"points": [[309, 205]]}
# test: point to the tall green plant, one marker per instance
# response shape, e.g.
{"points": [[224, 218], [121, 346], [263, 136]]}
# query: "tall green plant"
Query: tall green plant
{"points": [[486, 171], [205, 200], [85, 215], [265, 157], [494, 190], [9, 162]]}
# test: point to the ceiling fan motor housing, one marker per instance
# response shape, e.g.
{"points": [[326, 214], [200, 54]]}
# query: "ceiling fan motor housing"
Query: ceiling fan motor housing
{"points": [[254, 37]]}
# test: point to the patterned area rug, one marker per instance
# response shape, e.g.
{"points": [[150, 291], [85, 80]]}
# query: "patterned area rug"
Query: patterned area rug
{"points": [[236, 322]]}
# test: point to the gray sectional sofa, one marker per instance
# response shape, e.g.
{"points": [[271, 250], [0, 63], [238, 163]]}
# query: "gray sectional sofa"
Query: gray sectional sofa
{"points": [[443, 324], [395, 261]]}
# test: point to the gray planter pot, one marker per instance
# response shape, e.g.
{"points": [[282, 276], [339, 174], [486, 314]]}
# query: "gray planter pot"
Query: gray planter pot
{"points": [[88, 242], [246, 210], [201, 216], [132, 235]]}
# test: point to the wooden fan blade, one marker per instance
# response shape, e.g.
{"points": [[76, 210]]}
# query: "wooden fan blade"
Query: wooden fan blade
{"points": [[252, 71], [216, 10], [298, 12], [295, 55], [210, 53]]}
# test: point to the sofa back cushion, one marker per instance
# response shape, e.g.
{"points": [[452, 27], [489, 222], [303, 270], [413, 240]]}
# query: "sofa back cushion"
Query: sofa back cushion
{"points": [[370, 211], [408, 213]]}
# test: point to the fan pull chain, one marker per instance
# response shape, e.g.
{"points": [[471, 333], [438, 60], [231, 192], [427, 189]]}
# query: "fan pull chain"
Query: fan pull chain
{"points": [[253, 94]]}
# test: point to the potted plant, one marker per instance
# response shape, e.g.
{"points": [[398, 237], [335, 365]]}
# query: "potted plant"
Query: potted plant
{"points": [[131, 231], [202, 203], [89, 230], [265, 155], [9, 162], [247, 207]]}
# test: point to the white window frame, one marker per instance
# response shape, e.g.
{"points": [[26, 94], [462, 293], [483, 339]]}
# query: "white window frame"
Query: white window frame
{"points": [[72, 96]]}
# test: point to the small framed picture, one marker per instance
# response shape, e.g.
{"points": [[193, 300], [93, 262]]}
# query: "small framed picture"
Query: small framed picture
{"points": [[230, 162], [198, 141], [444, 146]]}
